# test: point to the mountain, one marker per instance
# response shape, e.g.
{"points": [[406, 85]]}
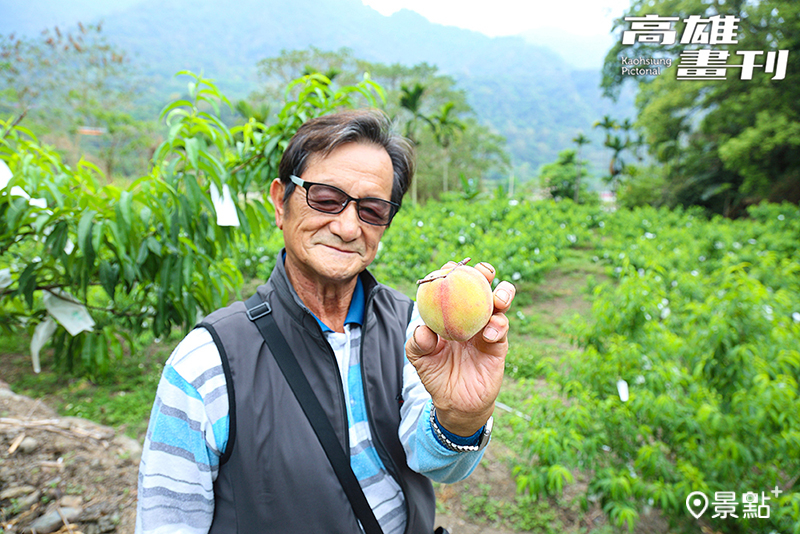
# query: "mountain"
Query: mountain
{"points": [[31, 17], [526, 92]]}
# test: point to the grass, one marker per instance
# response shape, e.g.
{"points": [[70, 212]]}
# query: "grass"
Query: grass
{"points": [[522, 514], [11, 344], [122, 399]]}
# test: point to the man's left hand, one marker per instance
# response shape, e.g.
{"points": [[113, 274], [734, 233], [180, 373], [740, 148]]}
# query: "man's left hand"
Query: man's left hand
{"points": [[464, 378]]}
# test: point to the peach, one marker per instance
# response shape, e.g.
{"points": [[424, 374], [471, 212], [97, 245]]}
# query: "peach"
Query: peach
{"points": [[455, 302]]}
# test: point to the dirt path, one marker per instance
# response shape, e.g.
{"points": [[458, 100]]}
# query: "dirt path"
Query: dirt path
{"points": [[491, 480], [55, 470]]}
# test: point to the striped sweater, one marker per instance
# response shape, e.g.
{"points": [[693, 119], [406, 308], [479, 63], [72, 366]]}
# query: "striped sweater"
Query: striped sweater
{"points": [[188, 431]]}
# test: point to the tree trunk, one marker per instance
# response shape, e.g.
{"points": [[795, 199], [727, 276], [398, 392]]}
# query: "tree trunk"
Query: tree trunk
{"points": [[446, 168]]}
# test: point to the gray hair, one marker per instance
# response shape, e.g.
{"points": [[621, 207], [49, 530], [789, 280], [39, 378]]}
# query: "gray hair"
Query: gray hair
{"points": [[323, 134]]}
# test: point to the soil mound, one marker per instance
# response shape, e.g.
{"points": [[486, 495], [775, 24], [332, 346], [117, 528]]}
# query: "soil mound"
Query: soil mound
{"points": [[63, 474]]}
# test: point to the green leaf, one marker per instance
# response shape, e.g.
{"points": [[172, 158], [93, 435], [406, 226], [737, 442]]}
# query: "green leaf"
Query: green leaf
{"points": [[85, 236], [97, 234], [144, 251], [174, 129], [145, 214], [243, 221], [175, 278], [17, 208], [120, 228], [271, 145], [193, 192], [216, 168], [192, 145], [26, 283], [59, 198], [154, 245], [109, 277], [57, 239], [102, 357], [557, 475], [87, 356], [41, 221], [174, 105], [125, 200]]}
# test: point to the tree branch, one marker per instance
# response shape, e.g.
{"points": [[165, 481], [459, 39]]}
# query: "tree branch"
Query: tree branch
{"points": [[15, 123], [246, 162], [66, 298]]}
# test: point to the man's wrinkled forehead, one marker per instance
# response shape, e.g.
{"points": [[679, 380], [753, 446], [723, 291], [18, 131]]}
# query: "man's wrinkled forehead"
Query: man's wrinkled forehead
{"points": [[314, 158]]}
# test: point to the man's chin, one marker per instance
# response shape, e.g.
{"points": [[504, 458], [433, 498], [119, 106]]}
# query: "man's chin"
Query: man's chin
{"points": [[340, 266]]}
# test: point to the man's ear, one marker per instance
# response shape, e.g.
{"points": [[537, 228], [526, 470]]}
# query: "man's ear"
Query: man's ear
{"points": [[276, 190]]}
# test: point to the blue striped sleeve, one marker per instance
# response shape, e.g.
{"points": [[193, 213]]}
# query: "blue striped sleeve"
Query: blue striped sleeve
{"points": [[187, 432]]}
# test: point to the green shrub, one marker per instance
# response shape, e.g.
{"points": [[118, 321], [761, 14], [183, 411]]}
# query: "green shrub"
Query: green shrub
{"points": [[702, 322]]}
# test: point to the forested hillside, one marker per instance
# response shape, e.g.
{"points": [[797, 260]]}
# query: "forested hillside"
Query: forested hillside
{"points": [[526, 93]]}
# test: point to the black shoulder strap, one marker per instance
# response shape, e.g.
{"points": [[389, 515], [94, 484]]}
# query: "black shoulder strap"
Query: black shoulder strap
{"points": [[259, 312]]}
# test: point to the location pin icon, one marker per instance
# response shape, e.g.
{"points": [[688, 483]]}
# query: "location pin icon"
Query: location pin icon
{"points": [[696, 503]]}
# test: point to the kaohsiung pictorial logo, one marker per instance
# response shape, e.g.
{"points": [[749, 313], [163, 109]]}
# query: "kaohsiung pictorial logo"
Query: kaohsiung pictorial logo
{"points": [[704, 61]]}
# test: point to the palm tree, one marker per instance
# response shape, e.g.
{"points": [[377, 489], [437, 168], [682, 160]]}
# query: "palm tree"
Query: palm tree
{"points": [[607, 124], [614, 143], [445, 127], [411, 101], [617, 165], [579, 140], [248, 110]]}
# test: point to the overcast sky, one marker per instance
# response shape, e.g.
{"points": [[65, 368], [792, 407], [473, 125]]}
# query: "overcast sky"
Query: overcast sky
{"points": [[511, 17], [578, 30]]}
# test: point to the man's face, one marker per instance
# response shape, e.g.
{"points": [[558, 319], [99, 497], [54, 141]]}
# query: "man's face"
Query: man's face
{"points": [[327, 248]]}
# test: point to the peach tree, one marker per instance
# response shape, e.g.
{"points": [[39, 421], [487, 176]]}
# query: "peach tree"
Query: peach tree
{"points": [[87, 266]]}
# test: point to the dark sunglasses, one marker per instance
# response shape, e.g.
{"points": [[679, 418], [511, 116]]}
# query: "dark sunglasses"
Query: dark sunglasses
{"points": [[332, 200]]}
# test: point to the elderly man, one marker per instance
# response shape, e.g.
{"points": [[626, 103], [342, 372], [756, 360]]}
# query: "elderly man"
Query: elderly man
{"points": [[229, 448]]}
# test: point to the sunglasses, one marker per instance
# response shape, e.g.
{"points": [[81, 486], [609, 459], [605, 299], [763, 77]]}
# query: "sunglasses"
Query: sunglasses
{"points": [[332, 200]]}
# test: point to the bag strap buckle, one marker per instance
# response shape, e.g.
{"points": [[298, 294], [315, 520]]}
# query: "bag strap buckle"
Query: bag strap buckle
{"points": [[258, 311]]}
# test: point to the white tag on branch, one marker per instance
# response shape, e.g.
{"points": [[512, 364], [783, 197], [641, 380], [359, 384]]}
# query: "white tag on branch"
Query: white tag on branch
{"points": [[65, 309], [622, 389], [224, 206], [38, 202], [17, 191], [5, 174], [41, 335], [5, 278]]}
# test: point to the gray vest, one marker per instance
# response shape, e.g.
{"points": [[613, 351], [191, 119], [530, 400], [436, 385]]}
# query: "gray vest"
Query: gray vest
{"points": [[274, 475]]}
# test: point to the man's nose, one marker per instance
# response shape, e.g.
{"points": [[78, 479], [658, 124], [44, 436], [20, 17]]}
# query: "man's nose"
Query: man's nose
{"points": [[348, 225]]}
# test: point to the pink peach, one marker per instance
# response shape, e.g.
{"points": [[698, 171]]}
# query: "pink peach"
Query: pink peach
{"points": [[455, 302]]}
